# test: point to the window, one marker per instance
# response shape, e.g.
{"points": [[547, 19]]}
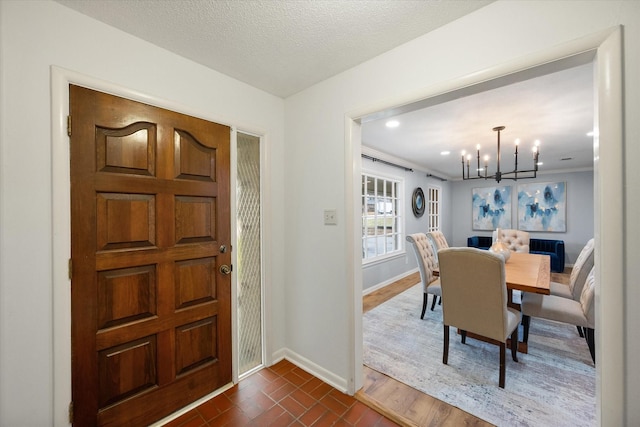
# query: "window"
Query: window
{"points": [[381, 217], [433, 208]]}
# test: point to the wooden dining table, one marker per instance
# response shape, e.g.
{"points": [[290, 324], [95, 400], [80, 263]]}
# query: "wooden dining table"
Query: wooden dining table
{"points": [[527, 273]]}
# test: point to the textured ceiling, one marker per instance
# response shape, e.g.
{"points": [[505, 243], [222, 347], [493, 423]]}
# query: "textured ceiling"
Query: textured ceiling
{"points": [[285, 46], [279, 46]]}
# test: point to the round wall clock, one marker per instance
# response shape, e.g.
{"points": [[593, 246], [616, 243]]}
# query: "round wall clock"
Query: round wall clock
{"points": [[418, 202]]}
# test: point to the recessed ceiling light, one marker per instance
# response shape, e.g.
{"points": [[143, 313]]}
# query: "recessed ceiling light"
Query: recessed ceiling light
{"points": [[445, 153], [393, 124]]}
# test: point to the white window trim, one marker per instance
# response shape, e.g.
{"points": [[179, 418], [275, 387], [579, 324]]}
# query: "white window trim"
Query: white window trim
{"points": [[400, 213]]}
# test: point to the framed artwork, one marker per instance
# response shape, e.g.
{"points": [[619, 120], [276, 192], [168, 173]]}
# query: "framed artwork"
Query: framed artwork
{"points": [[418, 202], [491, 207], [542, 207]]}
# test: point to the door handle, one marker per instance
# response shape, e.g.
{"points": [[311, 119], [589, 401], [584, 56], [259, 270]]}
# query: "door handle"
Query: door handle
{"points": [[225, 269]]}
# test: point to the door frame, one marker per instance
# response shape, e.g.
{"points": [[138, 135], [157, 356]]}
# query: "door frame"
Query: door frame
{"points": [[608, 224], [61, 226]]}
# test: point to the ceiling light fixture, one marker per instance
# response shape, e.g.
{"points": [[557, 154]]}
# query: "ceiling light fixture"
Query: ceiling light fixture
{"points": [[498, 176], [392, 124]]}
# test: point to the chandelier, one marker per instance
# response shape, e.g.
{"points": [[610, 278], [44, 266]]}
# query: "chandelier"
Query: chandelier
{"points": [[515, 174]]}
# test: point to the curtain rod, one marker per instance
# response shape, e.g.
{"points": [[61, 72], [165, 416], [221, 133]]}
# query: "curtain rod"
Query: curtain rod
{"points": [[374, 159], [430, 175]]}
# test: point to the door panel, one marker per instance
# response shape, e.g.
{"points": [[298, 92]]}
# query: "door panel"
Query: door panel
{"points": [[151, 315]]}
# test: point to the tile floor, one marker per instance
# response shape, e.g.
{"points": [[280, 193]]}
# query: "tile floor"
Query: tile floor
{"points": [[282, 395]]}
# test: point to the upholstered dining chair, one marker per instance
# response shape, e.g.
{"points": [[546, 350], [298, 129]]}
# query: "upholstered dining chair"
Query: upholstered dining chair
{"points": [[426, 263], [474, 299], [578, 277], [565, 310], [438, 241], [516, 240]]}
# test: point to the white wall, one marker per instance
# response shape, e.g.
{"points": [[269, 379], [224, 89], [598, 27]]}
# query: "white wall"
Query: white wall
{"points": [[383, 272], [319, 283], [35, 35], [308, 174], [580, 210]]}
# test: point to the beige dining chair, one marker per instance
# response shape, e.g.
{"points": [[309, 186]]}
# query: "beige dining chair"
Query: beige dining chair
{"points": [[578, 277], [438, 241], [565, 310], [474, 299], [516, 240], [426, 263]]}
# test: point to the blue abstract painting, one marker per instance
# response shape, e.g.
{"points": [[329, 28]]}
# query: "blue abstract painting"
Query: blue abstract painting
{"points": [[491, 208], [542, 207]]}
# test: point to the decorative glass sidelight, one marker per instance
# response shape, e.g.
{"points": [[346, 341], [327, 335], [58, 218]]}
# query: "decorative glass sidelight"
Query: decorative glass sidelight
{"points": [[249, 254]]}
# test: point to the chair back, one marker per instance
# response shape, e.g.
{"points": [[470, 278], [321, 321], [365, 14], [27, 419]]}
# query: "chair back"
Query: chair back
{"points": [[424, 256], [438, 241], [516, 240], [581, 269], [474, 291], [587, 298]]}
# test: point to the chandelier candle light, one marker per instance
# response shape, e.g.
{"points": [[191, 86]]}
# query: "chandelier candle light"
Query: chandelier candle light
{"points": [[498, 176]]}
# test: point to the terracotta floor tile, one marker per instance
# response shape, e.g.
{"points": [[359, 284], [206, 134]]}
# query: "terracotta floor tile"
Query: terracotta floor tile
{"points": [[334, 406], [282, 395], [385, 422], [327, 419], [295, 379], [274, 385], [320, 391], [302, 373], [342, 423], [285, 419], [345, 399], [282, 392], [292, 406], [268, 417], [369, 418], [356, 412], [303, 398], [214, 407], [268, 374], [311, 385], [233, 417], [184, 419]]}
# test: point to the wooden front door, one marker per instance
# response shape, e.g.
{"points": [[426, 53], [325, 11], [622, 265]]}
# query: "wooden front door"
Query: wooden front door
{"points": [[150, 247]]}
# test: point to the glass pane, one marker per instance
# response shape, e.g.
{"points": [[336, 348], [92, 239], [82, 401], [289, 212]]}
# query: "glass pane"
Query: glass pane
{"points": [[249, 254]]}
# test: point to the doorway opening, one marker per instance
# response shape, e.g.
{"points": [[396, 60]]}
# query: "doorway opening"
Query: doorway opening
{"points": [[608, 223]]}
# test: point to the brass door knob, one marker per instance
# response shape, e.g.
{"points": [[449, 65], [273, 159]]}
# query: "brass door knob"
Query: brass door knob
{"points": [[225, 269]]}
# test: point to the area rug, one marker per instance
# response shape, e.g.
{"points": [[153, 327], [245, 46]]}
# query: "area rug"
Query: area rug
{"points": [[552, 385]]}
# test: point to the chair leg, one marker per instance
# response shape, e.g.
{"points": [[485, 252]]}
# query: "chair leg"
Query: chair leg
{"points": [[440, 301], [514, 345], [425, 298], [503, 349], [580, 331], [433, 303], [463, 335], [445, 351], [526, 320], [591, 342]]}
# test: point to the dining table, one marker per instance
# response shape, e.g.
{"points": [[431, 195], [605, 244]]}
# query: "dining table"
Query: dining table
{"points": [[527, 273]]}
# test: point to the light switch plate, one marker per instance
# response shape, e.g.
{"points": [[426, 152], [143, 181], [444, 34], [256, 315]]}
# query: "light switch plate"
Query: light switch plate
{"points": [[330, 217]]}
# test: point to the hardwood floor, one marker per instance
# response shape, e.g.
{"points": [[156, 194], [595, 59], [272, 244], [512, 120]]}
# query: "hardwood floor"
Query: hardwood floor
{"points": [[401, 403]]}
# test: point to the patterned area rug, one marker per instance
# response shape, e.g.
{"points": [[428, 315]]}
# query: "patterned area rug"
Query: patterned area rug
{"points": [[553, 385]]}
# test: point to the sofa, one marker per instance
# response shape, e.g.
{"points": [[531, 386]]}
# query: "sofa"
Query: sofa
{"points": [[553, 248]]}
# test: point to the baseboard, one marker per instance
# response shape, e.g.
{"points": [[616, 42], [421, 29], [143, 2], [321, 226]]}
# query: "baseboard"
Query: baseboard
{"points": [[388, 282], [307, 365]]}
